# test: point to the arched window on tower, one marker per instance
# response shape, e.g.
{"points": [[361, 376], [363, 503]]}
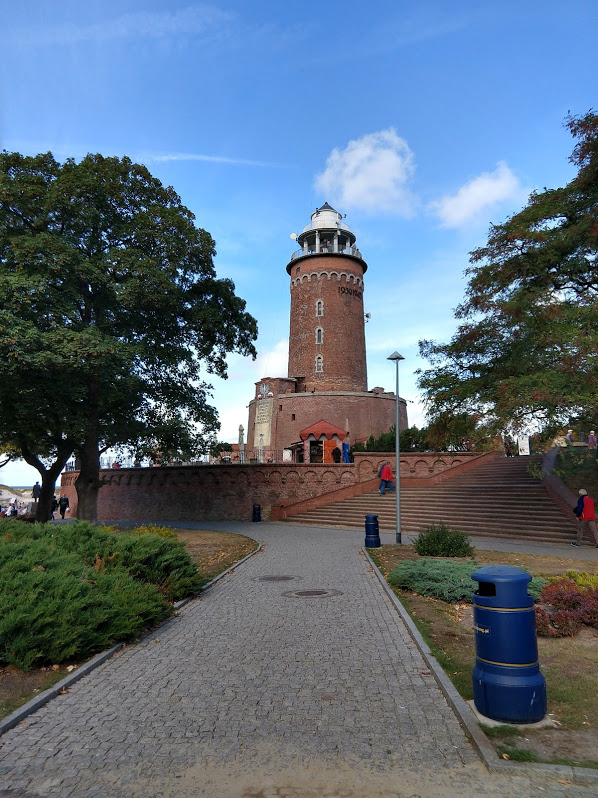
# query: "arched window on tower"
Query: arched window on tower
{"points": [[320, 307], [319, 363], [319, 335]]}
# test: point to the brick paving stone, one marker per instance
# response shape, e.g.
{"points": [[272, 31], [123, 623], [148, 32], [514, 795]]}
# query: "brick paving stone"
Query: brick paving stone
{"points": [[246, 680]]}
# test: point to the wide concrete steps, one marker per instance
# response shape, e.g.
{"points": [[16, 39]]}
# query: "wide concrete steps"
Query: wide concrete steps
{"points": [[500, 499]]}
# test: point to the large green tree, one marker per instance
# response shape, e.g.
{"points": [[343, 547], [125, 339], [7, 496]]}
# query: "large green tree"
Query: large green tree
{"points": [[526, 351], [110, 317]]}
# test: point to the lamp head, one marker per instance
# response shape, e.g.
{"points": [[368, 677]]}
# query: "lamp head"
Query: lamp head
{"points": [[395, 356]]}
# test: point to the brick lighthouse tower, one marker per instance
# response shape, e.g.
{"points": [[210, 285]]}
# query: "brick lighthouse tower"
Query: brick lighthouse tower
{"points": [[324, 403], [327, 338]]}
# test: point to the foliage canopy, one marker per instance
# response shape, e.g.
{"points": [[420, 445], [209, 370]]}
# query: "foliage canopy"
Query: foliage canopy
{"points": [[110, 315], [527, 349]]}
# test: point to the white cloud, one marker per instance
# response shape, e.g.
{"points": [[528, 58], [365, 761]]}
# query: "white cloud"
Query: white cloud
{"points": [[274, 362], [371, 174], [232, 396], [180, 156], [193, 21], [474, 199]]}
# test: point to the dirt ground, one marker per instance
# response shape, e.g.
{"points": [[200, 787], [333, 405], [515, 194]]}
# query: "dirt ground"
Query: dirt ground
{"points": [[213, 552], [569, 665]]}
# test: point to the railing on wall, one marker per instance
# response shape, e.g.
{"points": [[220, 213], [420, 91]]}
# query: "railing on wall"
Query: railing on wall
{"points": [[233, 458], [327, 251]]}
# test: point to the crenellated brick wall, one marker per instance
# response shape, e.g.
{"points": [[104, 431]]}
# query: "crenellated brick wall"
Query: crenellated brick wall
{"points": [[228, 492]]}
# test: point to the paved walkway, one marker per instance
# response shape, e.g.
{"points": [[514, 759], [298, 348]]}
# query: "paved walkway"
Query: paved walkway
{"points": [[256, 694]]}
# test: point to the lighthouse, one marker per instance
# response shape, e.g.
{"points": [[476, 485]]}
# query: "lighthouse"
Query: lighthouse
{"points": [[327, 337], [324, 402]]}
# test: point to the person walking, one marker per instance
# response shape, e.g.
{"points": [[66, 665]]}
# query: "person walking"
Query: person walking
{"points": [[63, 504], [586, 517], [36, 491], [385, 475], [336, 454], [592, 440]]}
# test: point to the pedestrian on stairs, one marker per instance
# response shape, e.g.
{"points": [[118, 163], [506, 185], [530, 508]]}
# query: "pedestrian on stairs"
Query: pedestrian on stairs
{"points": [[586, 517], [385, 475]]}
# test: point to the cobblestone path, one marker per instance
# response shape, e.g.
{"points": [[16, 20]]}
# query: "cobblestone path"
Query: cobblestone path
{"points": [[255, 693]]}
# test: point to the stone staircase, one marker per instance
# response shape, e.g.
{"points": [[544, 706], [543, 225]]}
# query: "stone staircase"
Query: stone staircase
{"points": [[497, 499]]}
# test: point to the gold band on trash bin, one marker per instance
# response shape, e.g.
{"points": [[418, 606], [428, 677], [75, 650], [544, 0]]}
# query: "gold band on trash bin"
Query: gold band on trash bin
{"points": [[508, 664], [503, 609]]}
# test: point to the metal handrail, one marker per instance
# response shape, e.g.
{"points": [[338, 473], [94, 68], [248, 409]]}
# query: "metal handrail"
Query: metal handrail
{"points": [[350, 251]]}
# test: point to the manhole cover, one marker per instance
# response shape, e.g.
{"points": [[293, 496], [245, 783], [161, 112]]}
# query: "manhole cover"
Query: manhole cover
{"points": [[312, 593], [276, 578]]}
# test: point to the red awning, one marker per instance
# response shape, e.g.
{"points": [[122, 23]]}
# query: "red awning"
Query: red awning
{"points": [[324, 428]]}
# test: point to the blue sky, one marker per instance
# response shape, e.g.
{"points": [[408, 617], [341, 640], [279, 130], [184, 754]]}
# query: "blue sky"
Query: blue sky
{"points": [[423, 122]]}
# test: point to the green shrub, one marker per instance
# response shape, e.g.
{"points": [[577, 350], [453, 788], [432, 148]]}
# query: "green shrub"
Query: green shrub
{"points": [[583, 579], [535, 587], [440, 541], [441, 579], [445, 580], [53, 607], [71, 591], [149, 558]]}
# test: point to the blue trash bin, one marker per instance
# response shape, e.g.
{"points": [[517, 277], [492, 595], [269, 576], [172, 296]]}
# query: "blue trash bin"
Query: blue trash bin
{"points": [[507, 683], [372, 533]]}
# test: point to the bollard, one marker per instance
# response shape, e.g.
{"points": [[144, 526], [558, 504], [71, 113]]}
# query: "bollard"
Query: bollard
{"points": [[507, 683], [372, 535], [257, 512]]}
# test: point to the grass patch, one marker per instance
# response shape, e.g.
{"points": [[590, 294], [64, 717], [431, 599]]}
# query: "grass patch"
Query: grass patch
{"points": [[16, 687], [570, 665], [517, 754], [499, 732], [450, 642], [214, 552]]}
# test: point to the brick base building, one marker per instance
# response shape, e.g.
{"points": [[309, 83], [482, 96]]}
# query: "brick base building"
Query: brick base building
{"points": [[324, 401]]}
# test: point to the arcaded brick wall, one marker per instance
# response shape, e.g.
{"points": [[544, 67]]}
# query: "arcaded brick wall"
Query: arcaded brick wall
{"points": [[336, 281], [219, 492], [196, 493]]}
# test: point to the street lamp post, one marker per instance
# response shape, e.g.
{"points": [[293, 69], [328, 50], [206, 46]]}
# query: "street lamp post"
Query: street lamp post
{"points": [[396, 357]]}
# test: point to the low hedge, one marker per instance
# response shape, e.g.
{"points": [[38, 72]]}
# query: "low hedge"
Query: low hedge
{"points": [[446, 580], [71, 591]]}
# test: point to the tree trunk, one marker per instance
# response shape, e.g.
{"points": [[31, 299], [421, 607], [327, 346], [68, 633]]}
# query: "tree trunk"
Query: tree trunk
{"points": [[48, 475], [88, 482], [87, 486], [44, 503]]}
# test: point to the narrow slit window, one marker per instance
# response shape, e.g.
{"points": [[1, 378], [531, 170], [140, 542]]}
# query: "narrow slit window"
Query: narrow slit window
{"points": [[320, 307], [319, 363], [319, 335]]}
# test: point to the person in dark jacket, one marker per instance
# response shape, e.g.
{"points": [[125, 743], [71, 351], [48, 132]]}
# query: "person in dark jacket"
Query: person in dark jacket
{"points": [[336, 454], [586, 517], [63, 503]]}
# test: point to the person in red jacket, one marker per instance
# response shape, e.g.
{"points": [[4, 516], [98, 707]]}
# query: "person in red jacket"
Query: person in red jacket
{"points": [[586, 517], [385, 475]]}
